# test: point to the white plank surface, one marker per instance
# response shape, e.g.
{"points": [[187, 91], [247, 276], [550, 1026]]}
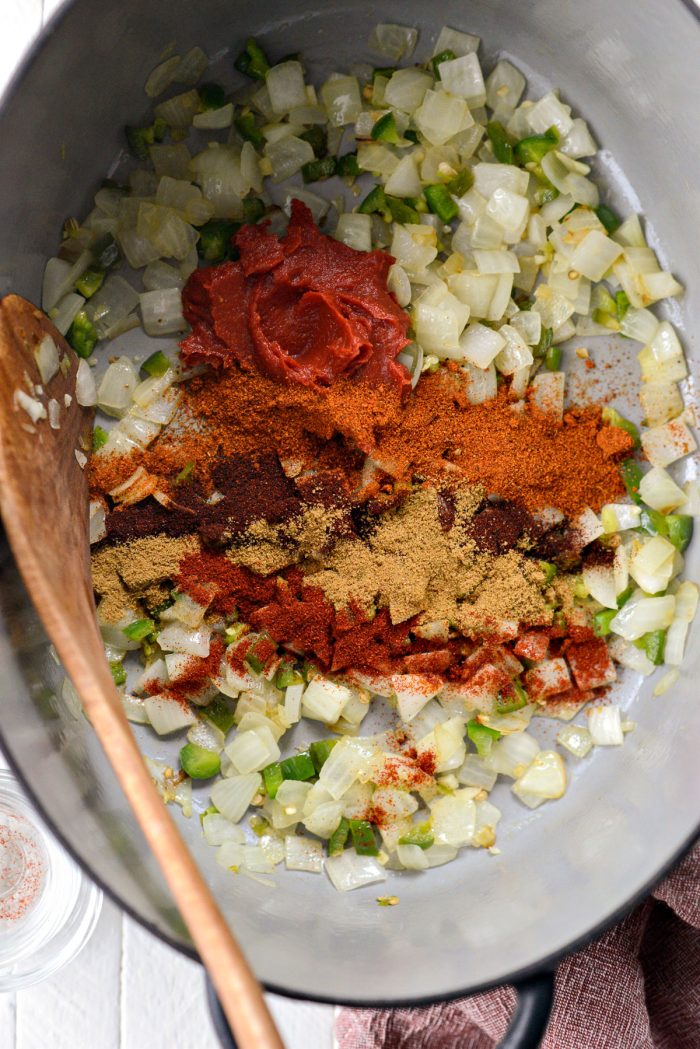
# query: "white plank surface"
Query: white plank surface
{"points": [[126, 990]]}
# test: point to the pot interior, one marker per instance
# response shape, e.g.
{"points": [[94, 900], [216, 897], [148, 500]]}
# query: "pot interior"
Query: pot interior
{"points": [[631, 70]]}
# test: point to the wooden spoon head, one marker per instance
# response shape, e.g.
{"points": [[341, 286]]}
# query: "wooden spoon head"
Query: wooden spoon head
{"points": [[43, 488]]}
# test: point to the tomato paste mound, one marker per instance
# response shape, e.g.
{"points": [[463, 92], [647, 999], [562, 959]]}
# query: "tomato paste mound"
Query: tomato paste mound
{"points": [[302, 308]]}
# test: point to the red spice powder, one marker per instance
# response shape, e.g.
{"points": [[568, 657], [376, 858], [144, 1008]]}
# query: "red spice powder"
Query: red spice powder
{"points": [[195, 677]]}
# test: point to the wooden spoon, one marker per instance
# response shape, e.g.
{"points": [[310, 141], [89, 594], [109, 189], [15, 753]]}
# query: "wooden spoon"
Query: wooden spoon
{"points": [[43, 502]]}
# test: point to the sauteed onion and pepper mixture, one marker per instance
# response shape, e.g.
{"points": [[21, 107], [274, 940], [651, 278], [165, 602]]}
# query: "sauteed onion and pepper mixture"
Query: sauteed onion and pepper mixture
{"points": [[364, 488]]}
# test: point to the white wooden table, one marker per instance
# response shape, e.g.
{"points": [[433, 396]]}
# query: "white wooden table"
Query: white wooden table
{"points": [[126, 990]]}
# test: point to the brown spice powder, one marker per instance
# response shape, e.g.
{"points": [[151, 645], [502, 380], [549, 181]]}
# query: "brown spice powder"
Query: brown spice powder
{"points": [[124, 573]]}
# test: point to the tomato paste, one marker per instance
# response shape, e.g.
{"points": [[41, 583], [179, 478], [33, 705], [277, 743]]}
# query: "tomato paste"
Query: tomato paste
{"points": [[301, 308]]}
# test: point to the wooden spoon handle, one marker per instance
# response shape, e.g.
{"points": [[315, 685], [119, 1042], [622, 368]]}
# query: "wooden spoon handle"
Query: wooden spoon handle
{"points": [[239, 992]]}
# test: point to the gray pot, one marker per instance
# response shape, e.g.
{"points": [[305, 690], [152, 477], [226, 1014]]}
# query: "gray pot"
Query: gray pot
{"points": [[565, 871]]}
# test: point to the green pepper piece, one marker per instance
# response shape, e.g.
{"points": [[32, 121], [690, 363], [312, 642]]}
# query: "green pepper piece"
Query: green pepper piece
{"points": [[255, 664], [317, 139], [82, 334], [545, 342], [602, 621], [185, 473], [459, 185], [550, 570], [140, 630], [198, 762], [373, 202], [482, 737], [347, 166], [420, 834], [545, 192], [317, 170], [533, 148], [631, 473], [402, 212], [212, 96], [247, 128], [444, 56], [214, 244], [613, 418], [411, 135], [90, 282], [156, 365], [608, 217], [680, 530], [502, 146], [385, 71], [507, 704], [139, 139], [320, 751], [220, 713], [118, 671], [105, 252], [272, 778], [605, 319], [252, 61], [653, 644], [385, 130], [363, 838], [253, 209], [286, 676], [299, 767], [653, 522], [622, 304], [552, 358], [99, 438], [441, 203], [339, 837], [234, 632], [626, 594]]}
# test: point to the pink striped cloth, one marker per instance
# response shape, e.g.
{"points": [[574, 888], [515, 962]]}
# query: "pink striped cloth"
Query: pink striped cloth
{"points": [[637, 987]]}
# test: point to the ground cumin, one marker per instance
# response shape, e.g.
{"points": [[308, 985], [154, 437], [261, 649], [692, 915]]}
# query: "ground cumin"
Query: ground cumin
{"points": [[125, 573]]}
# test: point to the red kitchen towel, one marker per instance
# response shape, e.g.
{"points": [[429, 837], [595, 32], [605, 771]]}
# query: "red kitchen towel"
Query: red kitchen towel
{"points": [[637, 987]]}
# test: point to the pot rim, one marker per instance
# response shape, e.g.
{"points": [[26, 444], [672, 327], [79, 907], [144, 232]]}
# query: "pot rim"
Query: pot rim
{"points": [[546, 964]]}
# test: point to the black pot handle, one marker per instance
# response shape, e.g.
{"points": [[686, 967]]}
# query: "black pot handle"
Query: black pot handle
{"points": [[532, 1011], [525, 1031]]}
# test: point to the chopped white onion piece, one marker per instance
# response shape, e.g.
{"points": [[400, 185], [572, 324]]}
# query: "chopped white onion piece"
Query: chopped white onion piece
{"points": [[652, 564], [168, 715], [161, 311], [454, 819], [349, 871], [355, 230], [394, 41], [453, 40], [406, 90], [666, 682], [85, 389], [544, 780], [340, 96], [251, 751], [214, 119], [659, 491], [643, 615], [666, 444], [548, 393], [176, 638], [442, 115], [605, 726], [325, 700], [233, 795], [218, 830], [303, 854], [512, 754], [576, 739], [115, 390], [46, 356]]}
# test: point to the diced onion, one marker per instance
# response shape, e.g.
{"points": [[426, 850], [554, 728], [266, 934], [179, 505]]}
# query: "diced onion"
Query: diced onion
{"points": [[218, 829], [349, 871], [576, 739], [176, 638], [605, 726], [161, 311], [251, 751], [303, 854], [641, 616], [118, 383], [406, 89], [341, 99], [355, 230], [544, 780], [394, 41], [233, 795], [285, 86], [168, 715], [666, 444]]}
